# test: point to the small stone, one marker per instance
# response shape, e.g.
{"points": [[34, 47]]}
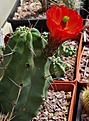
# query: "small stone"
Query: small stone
{"points": [[50, 115], [54, 109], [43, 118], [55, 118], [60, 113], [53, 100], [68, 96], [46, 113]]}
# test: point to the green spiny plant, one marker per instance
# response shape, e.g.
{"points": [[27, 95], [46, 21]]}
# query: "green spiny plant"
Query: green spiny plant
{"points": [[66, 50], [85, 98], [26, 74], [74, 4], [26, 77], [58, 67]]}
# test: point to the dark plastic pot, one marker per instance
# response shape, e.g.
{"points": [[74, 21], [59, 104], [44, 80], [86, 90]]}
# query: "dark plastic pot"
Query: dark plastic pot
{"points": [[40, 24], [79, 109], [83, 12], [79, 104]]}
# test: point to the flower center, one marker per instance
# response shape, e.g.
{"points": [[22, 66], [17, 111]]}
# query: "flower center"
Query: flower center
{"points": [[63, 22], [65, 18]]}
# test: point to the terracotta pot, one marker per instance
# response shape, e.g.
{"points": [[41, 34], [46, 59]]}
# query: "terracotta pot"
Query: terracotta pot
{"points": [[79, 39], [64, 81], [67, 87], [81, 75]]}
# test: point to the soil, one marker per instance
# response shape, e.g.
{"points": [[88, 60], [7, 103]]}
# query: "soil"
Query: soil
{"points": [[55, 107], [84, 65], [28, 10], [31, 9]]}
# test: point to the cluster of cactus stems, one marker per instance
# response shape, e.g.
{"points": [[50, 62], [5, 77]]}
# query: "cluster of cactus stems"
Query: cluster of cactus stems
{"points": [[85, 99], [25, 75], [74, 4]]}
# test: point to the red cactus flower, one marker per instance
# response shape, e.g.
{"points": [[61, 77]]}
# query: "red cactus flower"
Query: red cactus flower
{"points": [[63, 23]]}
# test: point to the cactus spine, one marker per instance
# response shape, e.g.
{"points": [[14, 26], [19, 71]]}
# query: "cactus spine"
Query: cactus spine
{"points": [[26, 76], [85, 98]]}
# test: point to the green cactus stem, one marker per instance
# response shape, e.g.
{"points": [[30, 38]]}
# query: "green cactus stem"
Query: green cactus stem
{"points": [[26, 76], [85, 98]]}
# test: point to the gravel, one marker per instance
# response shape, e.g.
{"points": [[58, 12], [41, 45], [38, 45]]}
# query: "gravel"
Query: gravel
{"points": [[84, 65], [30, 9], [55, 107], [71, 60]]}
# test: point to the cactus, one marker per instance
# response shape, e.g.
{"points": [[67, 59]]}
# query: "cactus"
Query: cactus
{"points": [[85, 98], [26, 76], [74, 4]]}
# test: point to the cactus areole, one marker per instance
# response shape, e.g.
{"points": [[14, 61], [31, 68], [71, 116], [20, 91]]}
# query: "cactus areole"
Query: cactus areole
{"points": [[24, 67]]}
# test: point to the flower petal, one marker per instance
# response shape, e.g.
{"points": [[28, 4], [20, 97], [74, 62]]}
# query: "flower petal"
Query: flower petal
{"points": [[59, 30]]}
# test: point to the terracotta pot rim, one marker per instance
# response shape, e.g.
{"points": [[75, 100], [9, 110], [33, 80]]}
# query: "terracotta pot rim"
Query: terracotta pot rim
{"points": [[78, 68], [73, 99]]}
